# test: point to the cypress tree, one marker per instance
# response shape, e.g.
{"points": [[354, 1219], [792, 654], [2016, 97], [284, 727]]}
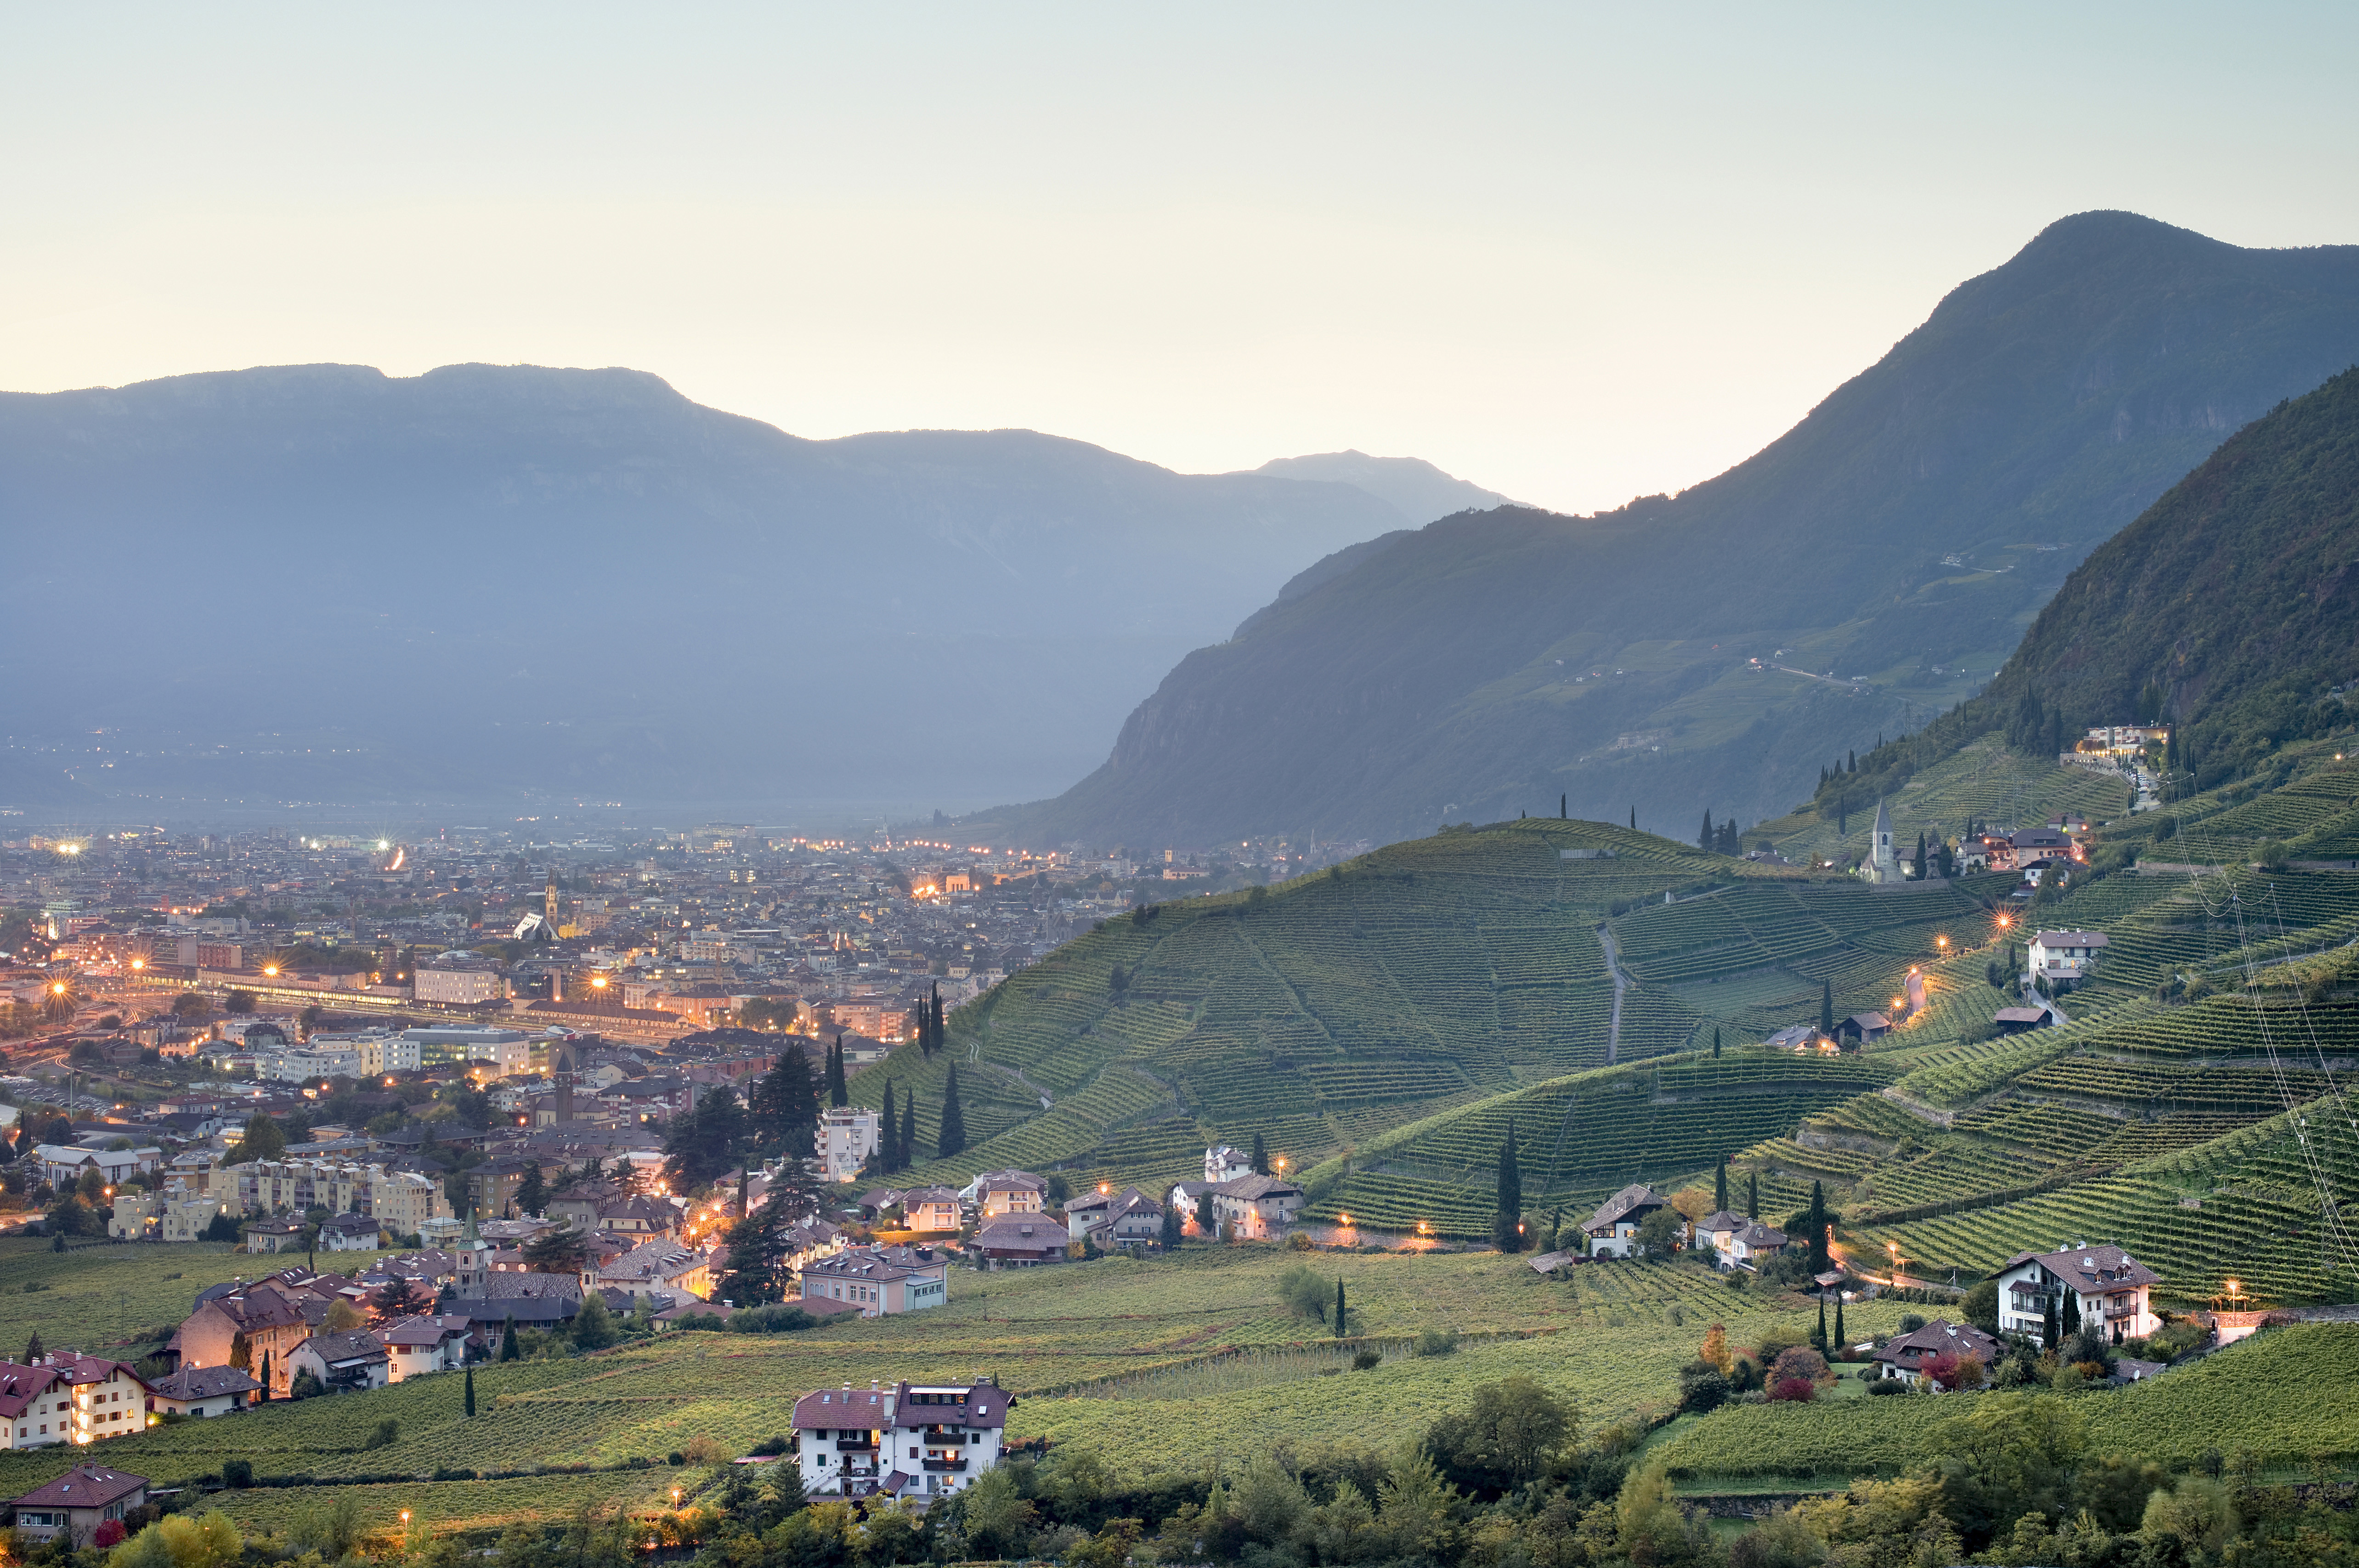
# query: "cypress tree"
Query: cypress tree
{"points": [[839, 1093], [1753, 1196], [1840, 1339], [1511, 1196], [1564, 807], [1339, 1306], [1171, 1230], [1260, 1156], [470, 1393], [1720, 1188], [1715, 1045], [1705, 838], [888, 1137], [1819, 1335], [1827, 1007], [953, 1133], [1855, 763], [1205, 1213], [1920, 858], [509, 1349], [1634, 818], [1818, 1223]]}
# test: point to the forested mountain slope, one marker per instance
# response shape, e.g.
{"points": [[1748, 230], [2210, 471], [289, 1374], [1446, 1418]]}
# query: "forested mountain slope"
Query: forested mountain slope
{"points": [[1711, 651]]}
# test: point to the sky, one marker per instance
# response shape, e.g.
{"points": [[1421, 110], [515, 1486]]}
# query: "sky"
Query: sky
{"points": [[1572, 253]]}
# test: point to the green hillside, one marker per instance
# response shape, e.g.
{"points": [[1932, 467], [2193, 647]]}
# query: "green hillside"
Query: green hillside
{"points": [[1713, 650], [1324, 1013]]}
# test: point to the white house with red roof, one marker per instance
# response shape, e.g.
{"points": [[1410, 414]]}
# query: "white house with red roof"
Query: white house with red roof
{"points": [[880, 1280], [2063, 958], [2105, 1284], [839, 1437], [69, 1398], [427, 1342], [945, 1436], [915, 1439]]}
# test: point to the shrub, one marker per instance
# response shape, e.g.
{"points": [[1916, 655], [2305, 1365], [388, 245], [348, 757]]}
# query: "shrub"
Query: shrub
{"points": [[1799, 1361], [1366, 1360], [1800, 1390], [771, 1447], [1435, 1342], [705, 1450], [237, 1474], [1888, 1385], [387, 1432]]}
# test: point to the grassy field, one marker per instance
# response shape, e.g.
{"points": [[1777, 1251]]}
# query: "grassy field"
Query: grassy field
{"points": [[99, 1295]]}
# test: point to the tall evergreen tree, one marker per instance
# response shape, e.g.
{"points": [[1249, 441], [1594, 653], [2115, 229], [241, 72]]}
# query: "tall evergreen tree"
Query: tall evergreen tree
{"points": [[1752, 1195], [839, 1093], [1564, 807], [1819, 1335], [1817, 1227], [1720, 1188], [785, 1101], [509, 1349], [1840, 1336], [532, 1192], [1339, 1306], [470, 1401], [1920, 858], [1260, 1156], [953, 1131], [1827, 1007], [1634, 818], [1705, 838], [1205, 1213], [1715, 1045], [1172, 1229], [1511, 1196], [888, 1136]]}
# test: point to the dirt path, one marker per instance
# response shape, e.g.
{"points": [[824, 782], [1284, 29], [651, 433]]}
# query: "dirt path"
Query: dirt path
{"points": [[1621, 983]]}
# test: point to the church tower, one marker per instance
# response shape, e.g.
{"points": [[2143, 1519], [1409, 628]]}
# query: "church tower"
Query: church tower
{"points": [[1883, 865]]}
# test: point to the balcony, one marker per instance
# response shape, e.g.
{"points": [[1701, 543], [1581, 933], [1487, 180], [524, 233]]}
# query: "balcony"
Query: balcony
{"points": [[2116, 1314], [854, 1446], [957, 1464]]}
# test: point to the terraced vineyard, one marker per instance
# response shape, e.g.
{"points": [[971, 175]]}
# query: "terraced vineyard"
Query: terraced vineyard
{"points": [[1431, 973], [1983, 782]]}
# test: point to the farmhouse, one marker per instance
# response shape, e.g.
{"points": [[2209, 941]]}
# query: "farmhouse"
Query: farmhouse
{"points": [[1613, 1230], [1020, 1243], [2075, 1285], [414, 1346], [1916, 1358], [78, 1502], [1864, 1027], [2062, 958], [1255, 1207], [1111, 1219]]}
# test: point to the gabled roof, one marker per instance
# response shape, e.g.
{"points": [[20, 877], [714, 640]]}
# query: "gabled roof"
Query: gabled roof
{"points": [[2091, 1268], [83, 1487], [1939, 1337], [978, 1406], [344, 1349], [861, 1409], [1761, 1237], [1632, 1202], [19, 1385], [203, 1383], [1022, 1234], [1252, 1187]]}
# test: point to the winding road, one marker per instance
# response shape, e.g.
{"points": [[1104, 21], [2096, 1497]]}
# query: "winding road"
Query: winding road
{"points": [[1621, 983]]}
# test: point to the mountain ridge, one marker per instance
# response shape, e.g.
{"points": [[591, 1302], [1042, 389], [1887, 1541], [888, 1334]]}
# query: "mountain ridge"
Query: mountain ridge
{"points": [[1906, 529]]}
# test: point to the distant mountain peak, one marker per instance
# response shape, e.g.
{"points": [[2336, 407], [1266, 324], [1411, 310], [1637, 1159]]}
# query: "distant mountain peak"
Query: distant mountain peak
{"points": [[1411, 485]]}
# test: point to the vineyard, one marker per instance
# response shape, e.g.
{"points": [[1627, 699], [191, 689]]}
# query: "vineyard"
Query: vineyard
{"points": [[100, 1294], [2229, 1402]]}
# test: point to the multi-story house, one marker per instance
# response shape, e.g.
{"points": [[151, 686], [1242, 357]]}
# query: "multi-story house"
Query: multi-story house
{"points": [[943, 1437], [880, 1280], [1252, 1207], [69, 1398], [839, 1437], [1613, 1230], [847, 1136], [2102, 1285], [1110, 1219], [997, 1193], [2065, 958]]}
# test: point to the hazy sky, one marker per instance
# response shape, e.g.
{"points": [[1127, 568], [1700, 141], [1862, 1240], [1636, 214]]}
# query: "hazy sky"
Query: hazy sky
{"points": [[1574, 254]]}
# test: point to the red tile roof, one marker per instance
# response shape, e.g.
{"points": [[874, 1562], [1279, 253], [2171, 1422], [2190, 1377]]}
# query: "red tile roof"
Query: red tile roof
{"points": [[83, 1487]]}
